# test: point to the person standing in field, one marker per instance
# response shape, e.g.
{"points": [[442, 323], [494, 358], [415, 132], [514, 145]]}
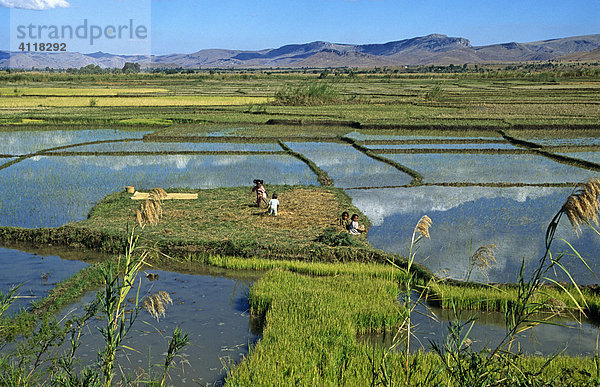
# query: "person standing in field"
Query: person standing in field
{"points": [[273, 205], [261, 192]]}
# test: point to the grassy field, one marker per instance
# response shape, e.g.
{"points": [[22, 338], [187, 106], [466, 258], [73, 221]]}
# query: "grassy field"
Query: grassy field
{"points": [[323, 287], [310, 339], [448, 101]]}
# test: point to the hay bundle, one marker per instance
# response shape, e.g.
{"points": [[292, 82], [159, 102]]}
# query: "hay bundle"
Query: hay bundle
{"points": [[150, 210]]}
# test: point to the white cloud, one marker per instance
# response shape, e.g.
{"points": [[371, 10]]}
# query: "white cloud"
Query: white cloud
{"points": [[38, 5]]}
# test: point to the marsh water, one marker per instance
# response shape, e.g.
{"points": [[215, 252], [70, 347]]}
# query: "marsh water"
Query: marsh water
{"points": [[210, 305], [49, 190]]}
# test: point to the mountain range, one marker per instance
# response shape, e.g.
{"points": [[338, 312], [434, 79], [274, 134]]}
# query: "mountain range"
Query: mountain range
{"points": [[434, 49]]}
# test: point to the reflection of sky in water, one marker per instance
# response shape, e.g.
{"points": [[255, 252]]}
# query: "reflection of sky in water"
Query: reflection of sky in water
{"points": [[481, 168], [441, 146], [172, 147], [214, 311], [36, 274], [515, 219], [361, 137], [51, 191], [565, 141], [24, 142], [348, 167], [593, 157]]}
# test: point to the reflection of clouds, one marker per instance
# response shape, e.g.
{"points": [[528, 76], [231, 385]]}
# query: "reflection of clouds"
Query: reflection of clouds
{"points": [[348, 167], [377, 204], [465, 218]]}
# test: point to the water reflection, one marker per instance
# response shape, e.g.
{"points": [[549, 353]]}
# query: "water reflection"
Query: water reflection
{"points": [[489, 330], [464, 218], [27, 141], [214, 311], [364, 137], [593, 157], [443, 146], [349, 167], [133, 146], [51, 191], [36, 274], [481, 168]]}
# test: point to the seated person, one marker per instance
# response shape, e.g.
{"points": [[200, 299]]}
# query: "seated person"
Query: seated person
{"points": [[354, 228], [344, 220]]}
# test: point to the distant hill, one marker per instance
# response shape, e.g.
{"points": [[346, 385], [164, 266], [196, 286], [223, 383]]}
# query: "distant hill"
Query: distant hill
{"points": [[426, 50], [587, 56]]}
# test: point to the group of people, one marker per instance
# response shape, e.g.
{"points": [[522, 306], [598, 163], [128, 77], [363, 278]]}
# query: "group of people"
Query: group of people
{"points": [[351, 223], [262, 196], [347, 222]]}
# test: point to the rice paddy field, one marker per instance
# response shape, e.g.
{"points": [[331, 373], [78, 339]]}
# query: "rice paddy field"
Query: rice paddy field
{"points": [[489, 159]]}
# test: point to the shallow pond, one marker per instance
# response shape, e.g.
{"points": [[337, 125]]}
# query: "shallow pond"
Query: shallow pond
{"points": [[593, 157], [349, 167], [25, 142], [208, 304], [36, 274], [213, 310], [482, 168], [364, 137], [49, 191], [442, 146], [465, 218], [147, 146], [489, 330]]}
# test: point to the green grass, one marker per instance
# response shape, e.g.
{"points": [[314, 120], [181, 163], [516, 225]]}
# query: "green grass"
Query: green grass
{"points": [[498, 298], [468, 101], [310, 338]]}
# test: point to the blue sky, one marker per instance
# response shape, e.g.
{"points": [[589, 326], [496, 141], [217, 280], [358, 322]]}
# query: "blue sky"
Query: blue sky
{"points": [[185, 26]]}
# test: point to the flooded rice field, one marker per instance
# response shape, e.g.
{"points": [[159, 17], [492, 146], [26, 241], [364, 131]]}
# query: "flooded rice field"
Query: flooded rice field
{"points": [[52, 190], [483, 168], [349, 168], [26, 142], [49, 191], [35, 275], [465, 218]]}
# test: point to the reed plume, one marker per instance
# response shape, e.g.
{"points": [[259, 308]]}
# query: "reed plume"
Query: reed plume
{"points": [[156, 303], [484, 258], [423, 225], [582, 205], [157, 194], [151, 210]]}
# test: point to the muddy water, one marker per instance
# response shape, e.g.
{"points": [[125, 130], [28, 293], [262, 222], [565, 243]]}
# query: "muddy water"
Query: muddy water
{"points": [[210, 305]]}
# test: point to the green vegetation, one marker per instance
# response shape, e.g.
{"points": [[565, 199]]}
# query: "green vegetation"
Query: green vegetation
{"points": [[312, 94], [310, 339], [324, 287], [498, 100]]}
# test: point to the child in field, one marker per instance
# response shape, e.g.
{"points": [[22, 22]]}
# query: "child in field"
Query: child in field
{"points": [[354, 228], [261, 192], [344, 220], [273, 205]]}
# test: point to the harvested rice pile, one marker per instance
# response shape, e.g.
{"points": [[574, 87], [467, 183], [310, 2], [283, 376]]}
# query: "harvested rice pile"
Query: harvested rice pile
{"points": [[303, 210]]}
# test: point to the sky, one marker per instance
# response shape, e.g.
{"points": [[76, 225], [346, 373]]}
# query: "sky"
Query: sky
{"points": [[186, 26]]}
